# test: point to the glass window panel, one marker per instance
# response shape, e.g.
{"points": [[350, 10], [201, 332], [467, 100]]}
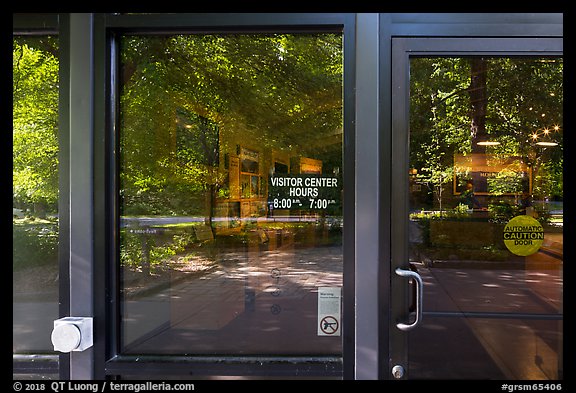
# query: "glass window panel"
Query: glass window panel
{"points": [[486, 215], [216, 256], [34, 192]]}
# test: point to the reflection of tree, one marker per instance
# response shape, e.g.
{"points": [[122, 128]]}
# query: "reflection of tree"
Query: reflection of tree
{"points": [[35, 124], [526, 98], [198, 157], [279, 92], [511, 100], [439, 170], [478, 100]]}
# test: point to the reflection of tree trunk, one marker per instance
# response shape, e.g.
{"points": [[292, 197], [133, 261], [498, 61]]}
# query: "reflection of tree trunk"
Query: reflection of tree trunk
{"points": [[210, 199], [478, 100], [439, 191]]}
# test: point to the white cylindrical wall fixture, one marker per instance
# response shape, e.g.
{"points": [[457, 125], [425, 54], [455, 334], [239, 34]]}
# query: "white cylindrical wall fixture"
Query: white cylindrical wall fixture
{"points": [[72, 334]]}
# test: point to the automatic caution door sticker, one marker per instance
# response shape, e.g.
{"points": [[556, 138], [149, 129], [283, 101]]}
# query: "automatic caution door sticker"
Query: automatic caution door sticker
{"points": [[523, 235], [329, 302]]}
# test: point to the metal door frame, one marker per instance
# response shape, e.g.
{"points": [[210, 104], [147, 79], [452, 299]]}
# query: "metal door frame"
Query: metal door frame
{"points": [[402, 50]]}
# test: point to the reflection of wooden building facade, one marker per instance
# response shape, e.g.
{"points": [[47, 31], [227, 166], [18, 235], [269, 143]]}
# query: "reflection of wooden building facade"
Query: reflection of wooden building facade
{"points": [[236, 163], [487, 175], [247, 182], [491, 175]]}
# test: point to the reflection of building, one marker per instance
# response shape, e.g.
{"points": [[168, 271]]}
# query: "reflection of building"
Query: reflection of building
{"points": [[249, 170], [237, 185], [491, 175]]}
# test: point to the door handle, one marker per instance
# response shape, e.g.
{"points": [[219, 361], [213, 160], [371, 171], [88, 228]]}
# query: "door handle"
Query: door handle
{"points": [[419, 292]]}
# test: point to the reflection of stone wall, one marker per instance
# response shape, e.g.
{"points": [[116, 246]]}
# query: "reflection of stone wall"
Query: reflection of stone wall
{"points": [[234, 177], [254, 208], [466, 234]]}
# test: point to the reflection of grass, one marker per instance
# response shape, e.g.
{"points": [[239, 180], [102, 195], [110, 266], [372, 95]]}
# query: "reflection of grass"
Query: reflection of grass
{"points": [[181, 225]]}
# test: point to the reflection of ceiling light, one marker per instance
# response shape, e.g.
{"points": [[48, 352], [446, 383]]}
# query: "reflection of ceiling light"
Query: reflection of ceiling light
{"points": [[487, 143], [541, 143]]}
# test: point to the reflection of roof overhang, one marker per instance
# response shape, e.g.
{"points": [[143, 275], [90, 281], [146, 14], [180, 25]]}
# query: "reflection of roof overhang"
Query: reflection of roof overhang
{"points": [[488, 166]]}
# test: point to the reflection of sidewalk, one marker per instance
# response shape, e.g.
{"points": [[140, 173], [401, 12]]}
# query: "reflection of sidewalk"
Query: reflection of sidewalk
{"points": [[513, 320], [254, 302], [32, 323]]}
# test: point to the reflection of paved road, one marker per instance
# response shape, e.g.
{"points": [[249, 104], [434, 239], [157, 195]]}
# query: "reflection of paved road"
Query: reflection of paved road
{"points": [[164, 220], [32, 323]]}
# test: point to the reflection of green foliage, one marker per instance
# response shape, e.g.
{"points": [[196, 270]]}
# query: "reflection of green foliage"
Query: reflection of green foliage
{"points": [[505, 182], [131, 250], [461, 211], [550, 181], [197, 140], [502, 211], [35, 121], [181, 93], [160, 250], [525, 96], [542, 215]]}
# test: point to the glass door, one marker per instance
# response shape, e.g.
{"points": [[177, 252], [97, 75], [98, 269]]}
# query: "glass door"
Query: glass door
{"points": [[478, 254]]}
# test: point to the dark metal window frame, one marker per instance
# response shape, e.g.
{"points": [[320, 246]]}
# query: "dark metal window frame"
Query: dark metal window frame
{"points": [[109, 361]]}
